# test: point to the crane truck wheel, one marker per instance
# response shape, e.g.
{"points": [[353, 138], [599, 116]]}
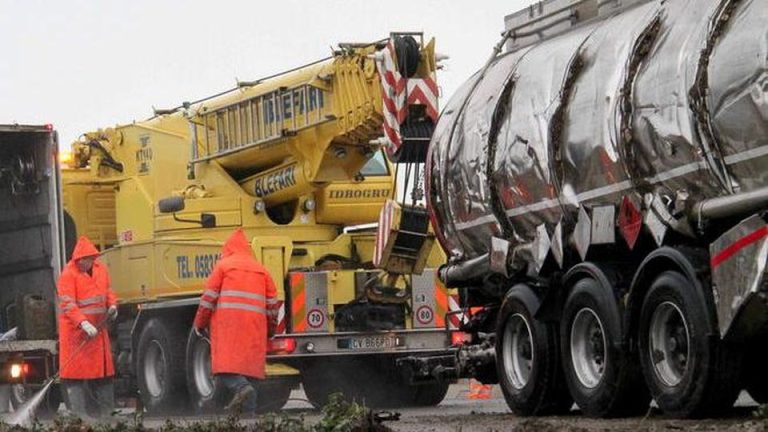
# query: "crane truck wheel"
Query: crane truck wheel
{"points": [[603, 378], [271, 397], [689, 372], [204, 394], [320, 379], [432, 394], [527, 358], [160, 352]]}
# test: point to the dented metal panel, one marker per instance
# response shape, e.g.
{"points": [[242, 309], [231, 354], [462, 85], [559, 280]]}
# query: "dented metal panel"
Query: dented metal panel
{"points": [[738, 94], [525, 166], [665, 131], [436, 170], [469, 191]]}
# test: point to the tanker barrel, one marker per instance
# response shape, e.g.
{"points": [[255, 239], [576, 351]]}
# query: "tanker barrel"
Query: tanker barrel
{"points": [[458, 275], [732, 205]]}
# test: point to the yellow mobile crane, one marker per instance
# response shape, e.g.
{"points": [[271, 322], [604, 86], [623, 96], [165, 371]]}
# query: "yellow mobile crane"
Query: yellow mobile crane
{"points": [[296, 161]]}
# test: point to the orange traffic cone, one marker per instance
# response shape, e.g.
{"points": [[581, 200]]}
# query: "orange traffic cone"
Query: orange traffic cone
{"points": [[478, 390]]}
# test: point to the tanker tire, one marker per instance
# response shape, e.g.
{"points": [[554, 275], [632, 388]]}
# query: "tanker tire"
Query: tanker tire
{"points": [[205, 395], [160, 354], [688, 370], [532, 380], [755, 371], [604, 379]]}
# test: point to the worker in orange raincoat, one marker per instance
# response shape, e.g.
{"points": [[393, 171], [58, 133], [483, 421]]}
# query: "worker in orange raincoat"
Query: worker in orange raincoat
{"points": [[239, 304], [86, 302]]}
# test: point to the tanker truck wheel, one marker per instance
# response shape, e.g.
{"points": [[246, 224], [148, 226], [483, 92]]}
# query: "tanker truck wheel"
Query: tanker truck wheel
{"points": [[756, 370], [603, 378], [159, 356], [689, 372], [527, 358]]}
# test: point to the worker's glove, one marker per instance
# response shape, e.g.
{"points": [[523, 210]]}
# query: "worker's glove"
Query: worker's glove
{"points": [[112, 313], [198, 332], [88, 328]]}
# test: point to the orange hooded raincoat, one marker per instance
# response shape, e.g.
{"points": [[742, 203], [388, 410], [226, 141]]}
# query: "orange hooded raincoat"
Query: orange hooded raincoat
{"points": [[84, 297], [238, 303]]}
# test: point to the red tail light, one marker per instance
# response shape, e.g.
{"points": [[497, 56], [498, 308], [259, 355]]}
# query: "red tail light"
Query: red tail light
{"points": [[460, 338], [282, 346]]}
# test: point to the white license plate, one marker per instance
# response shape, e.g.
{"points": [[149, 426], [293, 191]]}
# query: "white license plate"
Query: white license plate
{"points": [[371, 343]]}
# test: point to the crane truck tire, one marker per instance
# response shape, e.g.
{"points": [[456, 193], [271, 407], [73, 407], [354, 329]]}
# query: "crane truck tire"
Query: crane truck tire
{"points": [[376, 382], [432, 394], [528, 358], [603, 378], [321, 379], [204, 395], [390, 389], [689, 373], [160, 378], [271, 397]]}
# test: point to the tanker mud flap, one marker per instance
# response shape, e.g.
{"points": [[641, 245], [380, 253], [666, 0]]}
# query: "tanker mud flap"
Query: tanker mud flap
{"points": [[738, 261]]}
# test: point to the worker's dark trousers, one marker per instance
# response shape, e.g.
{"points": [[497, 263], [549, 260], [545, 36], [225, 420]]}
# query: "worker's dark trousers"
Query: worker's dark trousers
{"points": [[90, 398], [234, 383]]}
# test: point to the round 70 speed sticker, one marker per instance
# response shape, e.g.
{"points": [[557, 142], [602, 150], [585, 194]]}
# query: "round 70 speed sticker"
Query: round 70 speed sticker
{"points": [[315, 318]]}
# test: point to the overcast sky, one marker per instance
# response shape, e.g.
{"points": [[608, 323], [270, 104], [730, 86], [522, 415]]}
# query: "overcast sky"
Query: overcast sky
{"points": [[86, 64]]}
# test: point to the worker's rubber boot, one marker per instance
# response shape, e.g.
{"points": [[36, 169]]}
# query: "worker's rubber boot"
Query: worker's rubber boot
{"points": [[77, 400], [240, 398], [104, 397]]}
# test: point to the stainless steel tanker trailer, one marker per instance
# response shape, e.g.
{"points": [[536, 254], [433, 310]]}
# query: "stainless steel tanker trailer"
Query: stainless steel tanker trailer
{"points": [[601, 189]]}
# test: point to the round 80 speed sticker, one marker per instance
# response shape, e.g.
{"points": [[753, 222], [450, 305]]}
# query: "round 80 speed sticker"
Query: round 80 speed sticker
{"points": [[424, 314]]}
